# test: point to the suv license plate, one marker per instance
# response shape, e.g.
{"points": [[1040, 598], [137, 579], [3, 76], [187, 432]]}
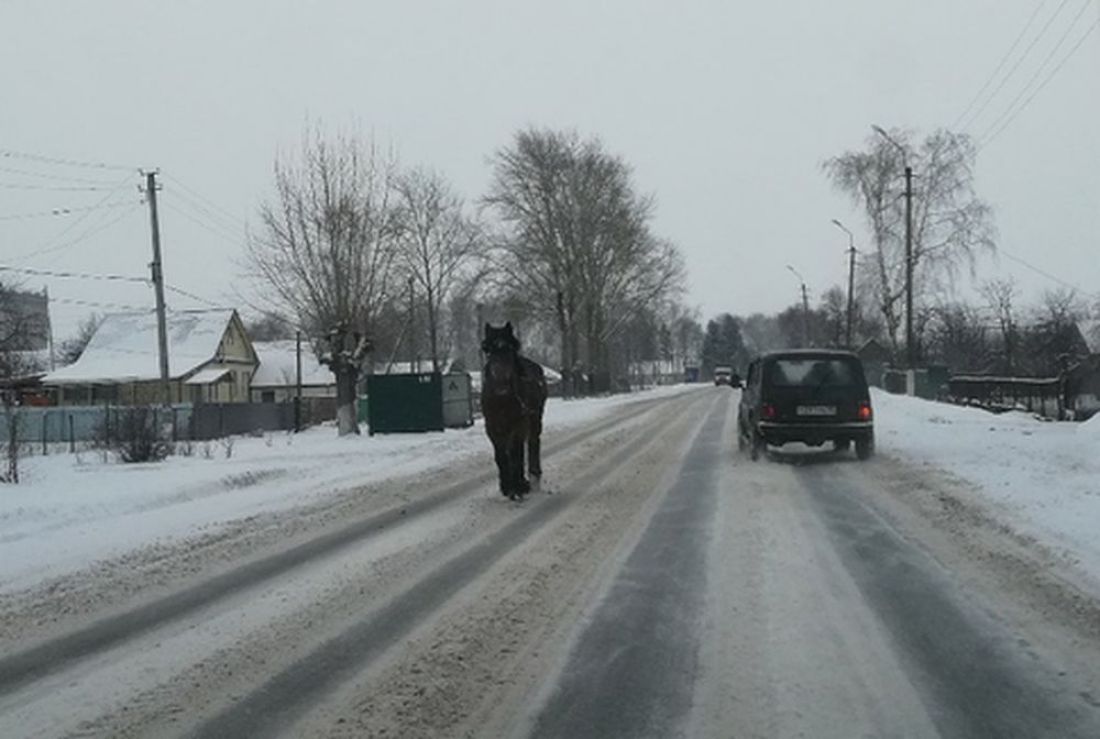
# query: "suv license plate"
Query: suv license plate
{"points": [[816, 410]]}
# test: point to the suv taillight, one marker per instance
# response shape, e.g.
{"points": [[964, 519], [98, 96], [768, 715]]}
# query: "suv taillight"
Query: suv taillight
{"points": [[768, 412], [864, 412]]}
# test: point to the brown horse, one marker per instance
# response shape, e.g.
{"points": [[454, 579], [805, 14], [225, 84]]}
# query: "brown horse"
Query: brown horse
{"points": [[513, 396]]}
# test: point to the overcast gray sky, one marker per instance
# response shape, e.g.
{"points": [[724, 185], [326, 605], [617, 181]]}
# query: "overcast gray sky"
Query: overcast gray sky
{"points": [[725, 109]]}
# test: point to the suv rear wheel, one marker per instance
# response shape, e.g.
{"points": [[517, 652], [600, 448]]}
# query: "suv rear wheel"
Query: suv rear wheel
{"points": [[756, 445], [865, 447]]}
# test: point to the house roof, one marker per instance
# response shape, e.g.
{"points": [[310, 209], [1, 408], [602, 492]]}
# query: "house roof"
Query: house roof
{"points": [[124, 347], [278, 366], [1090, 332], [207, 376]]}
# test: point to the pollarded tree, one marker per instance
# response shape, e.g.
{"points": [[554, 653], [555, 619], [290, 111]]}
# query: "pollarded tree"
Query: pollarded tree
{"points": [[950, 222], [326, 250]]}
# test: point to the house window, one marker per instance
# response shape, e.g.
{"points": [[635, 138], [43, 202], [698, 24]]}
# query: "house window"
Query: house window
{"points": [[267, 396]]}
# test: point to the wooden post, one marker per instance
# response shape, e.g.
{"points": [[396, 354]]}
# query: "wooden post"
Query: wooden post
{"points": [[72, 435]]}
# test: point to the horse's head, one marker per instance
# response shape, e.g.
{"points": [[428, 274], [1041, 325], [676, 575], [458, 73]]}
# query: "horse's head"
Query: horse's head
{"points": [[501, 348], [500, 341]]}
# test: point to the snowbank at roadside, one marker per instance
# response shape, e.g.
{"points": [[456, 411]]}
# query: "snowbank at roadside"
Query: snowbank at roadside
{"points": [[70, 510], [1042, 477]]}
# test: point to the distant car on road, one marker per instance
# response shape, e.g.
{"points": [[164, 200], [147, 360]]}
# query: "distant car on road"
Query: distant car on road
{"points": [[807, 395], [726, 376]]}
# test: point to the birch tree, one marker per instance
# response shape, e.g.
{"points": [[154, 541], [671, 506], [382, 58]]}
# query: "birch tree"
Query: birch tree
{"points": [[951, 224]]}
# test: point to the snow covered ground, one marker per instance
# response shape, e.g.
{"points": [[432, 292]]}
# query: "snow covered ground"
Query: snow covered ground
{"points": [[71, 510], [1041, 478]]}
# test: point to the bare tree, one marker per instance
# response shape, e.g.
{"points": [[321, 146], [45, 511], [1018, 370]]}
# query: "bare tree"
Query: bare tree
{"points": [[438, 243], [958, 338], [72, 348], [270, 326], [13, 426], [950, 223], [1052, 341], [578, 245], [834, 311], [1000, 297], [326, 250]]}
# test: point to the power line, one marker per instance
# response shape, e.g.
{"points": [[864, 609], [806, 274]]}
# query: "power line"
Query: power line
{"points": [[215, 219], [1041, 68], [1000, 65], [66, 210], [77, 221], [51, 188], [74, 241], [94, 304], [232, 218], [72, 275], [11, 154], [236, 240], [1044, 273], [993, 134], [61, 178], [1019, 61], [192, 296]]}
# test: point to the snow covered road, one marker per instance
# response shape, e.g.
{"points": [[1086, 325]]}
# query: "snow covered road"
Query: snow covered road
{"points": [[667, 587]]}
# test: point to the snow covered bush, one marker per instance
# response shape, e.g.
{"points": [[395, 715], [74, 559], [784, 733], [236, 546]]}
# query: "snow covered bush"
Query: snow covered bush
{"points": [[135, 436]]}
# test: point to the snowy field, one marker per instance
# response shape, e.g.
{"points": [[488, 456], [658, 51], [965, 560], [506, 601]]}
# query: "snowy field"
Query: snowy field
{"points": [[70, 510], [1041, 478]]}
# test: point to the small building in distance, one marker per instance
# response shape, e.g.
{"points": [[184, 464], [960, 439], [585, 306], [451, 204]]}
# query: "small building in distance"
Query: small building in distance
{"points": [[1083, 376], [276, 378], [876, 358]]}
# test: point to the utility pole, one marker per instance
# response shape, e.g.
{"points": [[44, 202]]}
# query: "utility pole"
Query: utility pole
{"points": [[157, 269], [414, 360], [851, 283], [298, 383], [805, 316], [805, 306], [910, 347]]}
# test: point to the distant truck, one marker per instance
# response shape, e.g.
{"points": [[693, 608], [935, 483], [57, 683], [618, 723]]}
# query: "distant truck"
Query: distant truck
{"points": [[723, 375]]}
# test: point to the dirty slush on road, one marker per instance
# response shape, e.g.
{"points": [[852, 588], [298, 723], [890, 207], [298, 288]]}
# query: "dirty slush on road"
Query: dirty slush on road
{"points": [[376, 568]]}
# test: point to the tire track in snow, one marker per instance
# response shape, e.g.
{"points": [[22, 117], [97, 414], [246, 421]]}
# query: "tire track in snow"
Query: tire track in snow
{"points": [[275, 705], [22, 668]]}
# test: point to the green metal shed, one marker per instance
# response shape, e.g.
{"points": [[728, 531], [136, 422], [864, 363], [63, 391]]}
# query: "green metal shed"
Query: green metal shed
{"points": [[406, 402]]}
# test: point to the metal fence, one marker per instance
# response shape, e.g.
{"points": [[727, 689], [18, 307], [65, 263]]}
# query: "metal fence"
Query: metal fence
{"points": [[81, 424], [1042, 395]]}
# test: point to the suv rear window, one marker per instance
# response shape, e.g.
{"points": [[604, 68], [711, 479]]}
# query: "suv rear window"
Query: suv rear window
{"points": [[811, 372]]}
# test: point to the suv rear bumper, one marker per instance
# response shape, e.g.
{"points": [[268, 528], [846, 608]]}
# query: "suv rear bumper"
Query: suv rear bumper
{"points": [[814, 433]]}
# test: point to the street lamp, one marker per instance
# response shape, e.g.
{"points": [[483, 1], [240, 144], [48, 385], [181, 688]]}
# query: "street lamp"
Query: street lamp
{"points": [[805, 307], [910, 348], [851, 279]]}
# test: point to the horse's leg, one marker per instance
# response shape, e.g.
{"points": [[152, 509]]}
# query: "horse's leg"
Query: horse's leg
{"points": [[504, 471], [534, 447], [522, 486]]}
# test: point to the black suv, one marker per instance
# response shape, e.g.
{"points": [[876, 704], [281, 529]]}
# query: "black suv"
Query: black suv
{"points": [[807, 395]]}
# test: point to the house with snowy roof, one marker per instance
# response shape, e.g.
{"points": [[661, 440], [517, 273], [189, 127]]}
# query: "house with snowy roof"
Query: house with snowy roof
{"points": [[276, 379], [1083, 378], [210, 359]]}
